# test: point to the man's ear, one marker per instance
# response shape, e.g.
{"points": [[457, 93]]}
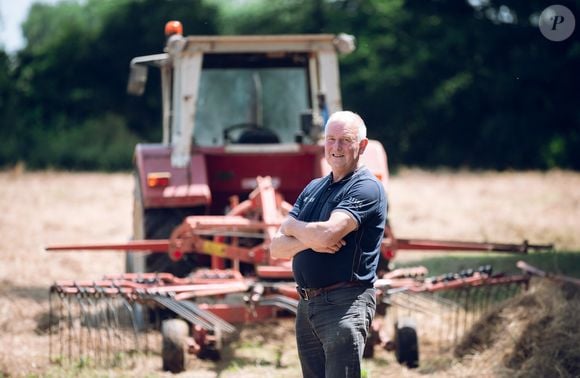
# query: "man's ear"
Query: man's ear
{"points": [[362, 146]]}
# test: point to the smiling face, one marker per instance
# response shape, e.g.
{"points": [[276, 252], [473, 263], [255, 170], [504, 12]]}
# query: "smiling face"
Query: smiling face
{"points": [[342, 147]]}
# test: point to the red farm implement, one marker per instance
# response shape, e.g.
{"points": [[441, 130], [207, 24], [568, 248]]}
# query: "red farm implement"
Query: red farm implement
{"points": [[197, 314], [242, 118]]}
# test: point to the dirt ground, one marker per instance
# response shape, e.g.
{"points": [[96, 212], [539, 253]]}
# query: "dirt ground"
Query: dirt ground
{"points": [[44, 208]]}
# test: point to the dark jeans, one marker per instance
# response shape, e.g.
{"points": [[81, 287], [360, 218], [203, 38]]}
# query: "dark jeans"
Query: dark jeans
{"points": [[331, 330]]}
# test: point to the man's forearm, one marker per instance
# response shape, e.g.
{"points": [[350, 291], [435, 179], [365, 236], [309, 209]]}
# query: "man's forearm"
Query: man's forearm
{"points": [[317, 235], [285, 247]]}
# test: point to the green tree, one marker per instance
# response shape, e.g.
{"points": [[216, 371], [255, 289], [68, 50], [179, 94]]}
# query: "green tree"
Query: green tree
{"points": [[8, 146], [72, 75], [448, 83], [440, 83]]}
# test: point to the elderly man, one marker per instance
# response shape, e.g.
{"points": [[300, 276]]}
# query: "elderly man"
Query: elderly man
{"points": [[333, 234]]}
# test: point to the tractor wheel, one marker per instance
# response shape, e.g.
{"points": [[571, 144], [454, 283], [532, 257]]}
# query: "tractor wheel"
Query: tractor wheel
{"points": [[135, 261], [158, 224], [174, 333], [406, 343]]}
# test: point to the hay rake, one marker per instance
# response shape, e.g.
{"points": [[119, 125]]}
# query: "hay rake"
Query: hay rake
{"points": [[103, 322], [438, 309]]}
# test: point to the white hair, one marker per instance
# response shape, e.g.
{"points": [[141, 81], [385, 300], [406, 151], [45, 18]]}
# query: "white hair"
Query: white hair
{"points": [[349, 117]]}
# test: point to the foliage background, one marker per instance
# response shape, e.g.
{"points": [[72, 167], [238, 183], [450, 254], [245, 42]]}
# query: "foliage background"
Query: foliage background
{"points": [[461, 84]]}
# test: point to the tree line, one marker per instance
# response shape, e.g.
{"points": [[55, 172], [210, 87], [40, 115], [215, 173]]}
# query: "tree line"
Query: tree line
{"points": [[441, 83]]}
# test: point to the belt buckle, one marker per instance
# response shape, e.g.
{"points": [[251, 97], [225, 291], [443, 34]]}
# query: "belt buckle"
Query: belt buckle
{"points": [[303, 293]]}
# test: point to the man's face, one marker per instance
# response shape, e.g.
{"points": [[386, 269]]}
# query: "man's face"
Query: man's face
{"points": [[341, 148]]}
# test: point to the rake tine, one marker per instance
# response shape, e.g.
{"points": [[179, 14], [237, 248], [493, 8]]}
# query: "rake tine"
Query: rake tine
{"points": [[215, 320], [81, 313], [123, 324], [50, 309], [441, 322], [116, 304], [282, 302], [104, 326], [487, 299], [180, 309], [112, 330], [478, 304], [134, 325], [498, 295], [61, 334], [457, 315], [97, 316], [116, 337], [70, 330], [466, 307], [484, 292], [92, 332]]}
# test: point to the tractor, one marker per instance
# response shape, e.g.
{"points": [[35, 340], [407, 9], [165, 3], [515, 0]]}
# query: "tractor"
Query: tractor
{"points": [[234, 108]]}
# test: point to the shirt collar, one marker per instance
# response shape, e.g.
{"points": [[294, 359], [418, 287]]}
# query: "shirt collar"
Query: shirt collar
{"points": [[347, 177]]}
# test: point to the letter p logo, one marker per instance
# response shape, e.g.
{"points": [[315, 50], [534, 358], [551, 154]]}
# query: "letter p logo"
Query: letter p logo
{"points": [[557, 23], [557, 20]]}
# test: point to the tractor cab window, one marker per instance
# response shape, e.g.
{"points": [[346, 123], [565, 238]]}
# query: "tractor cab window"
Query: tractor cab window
{"points": [[250, 98]]}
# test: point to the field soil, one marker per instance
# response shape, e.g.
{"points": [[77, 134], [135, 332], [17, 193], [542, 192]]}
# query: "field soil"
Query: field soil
{"points": [[38, 209]]}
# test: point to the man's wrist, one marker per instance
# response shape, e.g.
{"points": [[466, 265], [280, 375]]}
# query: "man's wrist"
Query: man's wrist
{"points": [[287, 227]]}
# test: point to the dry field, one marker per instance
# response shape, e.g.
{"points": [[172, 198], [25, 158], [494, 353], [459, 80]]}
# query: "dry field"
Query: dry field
{"points": [[38, 209]]}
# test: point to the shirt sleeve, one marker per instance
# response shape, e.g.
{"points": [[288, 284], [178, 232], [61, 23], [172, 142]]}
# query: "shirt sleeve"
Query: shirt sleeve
{"points": [[363, 201], [299, 204]]}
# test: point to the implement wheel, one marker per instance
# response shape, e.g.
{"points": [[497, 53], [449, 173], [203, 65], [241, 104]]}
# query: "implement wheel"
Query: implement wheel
{"points": [[406, 343], [174, 333]]}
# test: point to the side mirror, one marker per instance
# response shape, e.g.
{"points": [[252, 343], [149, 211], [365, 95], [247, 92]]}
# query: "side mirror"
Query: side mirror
{"points": [[137, 79], [306, 122], [311, 126]]}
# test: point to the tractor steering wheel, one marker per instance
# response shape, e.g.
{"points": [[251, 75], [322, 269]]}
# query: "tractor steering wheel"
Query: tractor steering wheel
{"points": [[237, 126], [251, 133]]}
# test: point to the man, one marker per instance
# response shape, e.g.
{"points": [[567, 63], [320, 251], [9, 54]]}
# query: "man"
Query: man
{"points": [[333, 234]]}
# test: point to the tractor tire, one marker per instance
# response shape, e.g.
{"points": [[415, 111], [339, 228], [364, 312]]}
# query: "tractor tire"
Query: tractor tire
{"points": [[158, 224], [174, 333], [406, 343], [135, 261]]}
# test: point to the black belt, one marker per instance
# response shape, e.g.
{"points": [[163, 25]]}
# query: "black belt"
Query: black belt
{"points": [[308, 294]]}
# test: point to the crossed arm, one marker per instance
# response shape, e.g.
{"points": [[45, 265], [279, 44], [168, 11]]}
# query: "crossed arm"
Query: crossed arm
{"points": [[325, 237]]}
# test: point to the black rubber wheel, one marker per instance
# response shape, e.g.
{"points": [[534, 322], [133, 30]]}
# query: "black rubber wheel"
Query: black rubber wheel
{"points": [[174, 333], [407, 343], [158, 224], [152, 224]]}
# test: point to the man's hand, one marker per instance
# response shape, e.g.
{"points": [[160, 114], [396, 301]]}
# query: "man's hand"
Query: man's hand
{"points": [[332, 249]]}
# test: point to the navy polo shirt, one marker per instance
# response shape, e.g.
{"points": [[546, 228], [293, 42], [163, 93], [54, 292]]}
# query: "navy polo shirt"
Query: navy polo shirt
{"points": [[363, 196]]}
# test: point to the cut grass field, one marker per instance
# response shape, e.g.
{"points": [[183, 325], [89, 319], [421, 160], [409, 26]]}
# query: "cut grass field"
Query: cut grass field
{"points": [[42, 208]]}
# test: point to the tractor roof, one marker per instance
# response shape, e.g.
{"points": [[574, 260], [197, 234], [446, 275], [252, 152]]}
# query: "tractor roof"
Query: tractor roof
{"points": [[265, 43]]}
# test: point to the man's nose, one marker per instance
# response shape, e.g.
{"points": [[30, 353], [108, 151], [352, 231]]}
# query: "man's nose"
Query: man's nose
{"points": [[337, 144]]}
